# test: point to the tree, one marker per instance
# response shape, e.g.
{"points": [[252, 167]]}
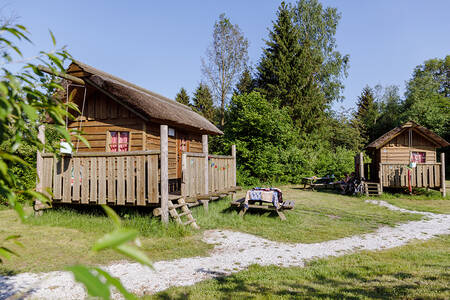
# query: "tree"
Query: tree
{"points": [[367, 113], [427, 96], [203, 102], [390, 108], [300, 68], [182, 97], [225, 59], [246, 83]]}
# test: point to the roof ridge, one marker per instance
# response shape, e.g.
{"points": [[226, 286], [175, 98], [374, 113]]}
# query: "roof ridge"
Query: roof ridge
{"points": [[84, 66]]}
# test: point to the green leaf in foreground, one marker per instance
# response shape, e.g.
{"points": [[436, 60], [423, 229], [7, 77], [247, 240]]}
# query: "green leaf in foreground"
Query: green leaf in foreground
{"points": [[115, 238], [116, 283], [134, 253], [94, 286], [112, 215]]}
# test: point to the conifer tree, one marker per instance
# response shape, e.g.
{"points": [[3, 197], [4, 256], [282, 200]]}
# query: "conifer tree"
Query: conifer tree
{"points": [[182, 97], [246, 83], [300, 68], [203, 101], [367, 113]]}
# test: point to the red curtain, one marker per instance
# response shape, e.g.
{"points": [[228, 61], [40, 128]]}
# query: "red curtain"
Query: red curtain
{"points": [[123, 141], [113, 144]]}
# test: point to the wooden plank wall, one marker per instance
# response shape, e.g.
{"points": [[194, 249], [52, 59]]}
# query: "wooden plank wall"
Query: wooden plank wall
{"points": [[103, 178], [101, 115], [221, 173], [423, 175], [397, 150]]}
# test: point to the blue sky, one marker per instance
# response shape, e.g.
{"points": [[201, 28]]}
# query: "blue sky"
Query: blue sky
{"points": [[159, 44]]}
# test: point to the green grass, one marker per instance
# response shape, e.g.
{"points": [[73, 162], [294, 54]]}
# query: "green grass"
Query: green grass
{"points": [[317, 216], [64, 236], [420, 270]]}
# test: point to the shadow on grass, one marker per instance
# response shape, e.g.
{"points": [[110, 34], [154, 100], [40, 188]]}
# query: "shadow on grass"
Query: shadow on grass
{"points": [[350, 285]]}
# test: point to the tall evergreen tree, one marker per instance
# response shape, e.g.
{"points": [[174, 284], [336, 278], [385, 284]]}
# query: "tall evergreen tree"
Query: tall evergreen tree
{"points": [[300, 68], [246, 83], [203, 101], [367, 113], [182, 97]]}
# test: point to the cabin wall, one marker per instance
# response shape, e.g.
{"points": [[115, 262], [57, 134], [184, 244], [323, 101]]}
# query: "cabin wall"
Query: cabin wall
{"points": [[101, 114], [397, 150]]}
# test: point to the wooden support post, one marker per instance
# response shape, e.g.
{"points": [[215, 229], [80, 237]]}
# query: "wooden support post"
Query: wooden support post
{"points": [[361, 165], [444, 192], [205, 204], [205, 151], [164, 141], [380, 175], [184, 175], [39, 169], [233, 154]]}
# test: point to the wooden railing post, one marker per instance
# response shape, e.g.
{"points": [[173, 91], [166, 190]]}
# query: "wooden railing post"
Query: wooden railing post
{"points": [[233, 154], [444, 192], [164, 141], [39, 168], [184, 175], [380, 175], [361, 165], [205, 152]]}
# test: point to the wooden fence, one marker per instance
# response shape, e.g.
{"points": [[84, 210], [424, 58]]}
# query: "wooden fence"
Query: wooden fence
{"points": [[423, 175], [219, 174], [114, 178]]}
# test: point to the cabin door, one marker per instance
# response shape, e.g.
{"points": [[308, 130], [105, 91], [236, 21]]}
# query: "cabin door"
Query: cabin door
{"points": [[182, 146]]}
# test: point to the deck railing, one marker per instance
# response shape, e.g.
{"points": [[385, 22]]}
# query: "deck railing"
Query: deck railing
{"points": [[423, 175], [219, 174], [115, 178]]}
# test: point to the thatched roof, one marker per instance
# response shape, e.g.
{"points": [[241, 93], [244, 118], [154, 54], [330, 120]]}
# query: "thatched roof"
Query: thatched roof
{"points": [[148, 104], [385, 138]]}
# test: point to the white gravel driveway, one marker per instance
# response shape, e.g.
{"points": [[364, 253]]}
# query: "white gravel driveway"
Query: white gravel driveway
{"points": [[234, 251]]}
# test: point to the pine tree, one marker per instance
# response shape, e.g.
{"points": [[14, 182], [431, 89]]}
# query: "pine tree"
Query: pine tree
{"points": [[182, 97], [367, 113], [246, 83], [300, 68], [203, 101]]}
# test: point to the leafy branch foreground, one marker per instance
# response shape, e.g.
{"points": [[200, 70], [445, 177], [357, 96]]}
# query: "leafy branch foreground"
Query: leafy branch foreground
{"points": [[26, 100]]}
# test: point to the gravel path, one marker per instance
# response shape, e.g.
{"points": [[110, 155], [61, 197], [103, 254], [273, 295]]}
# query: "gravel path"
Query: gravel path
{"points": [[234, 251]]}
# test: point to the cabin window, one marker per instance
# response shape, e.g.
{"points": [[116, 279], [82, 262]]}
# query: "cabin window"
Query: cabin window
{"points": [[418, 157], [119, 141], [171, 132]]}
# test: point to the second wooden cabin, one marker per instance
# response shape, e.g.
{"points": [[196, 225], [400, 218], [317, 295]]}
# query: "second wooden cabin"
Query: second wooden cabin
{"points": [[138, 141], [406, 157]]}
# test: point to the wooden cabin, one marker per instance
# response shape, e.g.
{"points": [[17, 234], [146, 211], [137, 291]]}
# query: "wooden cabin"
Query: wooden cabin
{"points": [[406, 157], [144, 147]]}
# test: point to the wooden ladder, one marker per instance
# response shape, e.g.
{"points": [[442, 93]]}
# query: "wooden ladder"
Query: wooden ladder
{"points": [[372, 188], [185, 211]]}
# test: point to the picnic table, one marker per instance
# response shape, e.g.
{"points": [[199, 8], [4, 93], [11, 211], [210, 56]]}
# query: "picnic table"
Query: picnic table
{"points": [[263, 200], [315, 182]]}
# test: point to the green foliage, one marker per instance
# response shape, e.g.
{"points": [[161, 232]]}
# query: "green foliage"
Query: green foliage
{"points": [[182, 97], [270, 148], [25, 97], [300, 68], [367, 113], [246, 83], [203, 102], [428, 96], [96, 280]]}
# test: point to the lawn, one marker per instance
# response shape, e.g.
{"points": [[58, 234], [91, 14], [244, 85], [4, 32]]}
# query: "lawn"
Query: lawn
{"points": [[419, 270], [63, 236]]}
